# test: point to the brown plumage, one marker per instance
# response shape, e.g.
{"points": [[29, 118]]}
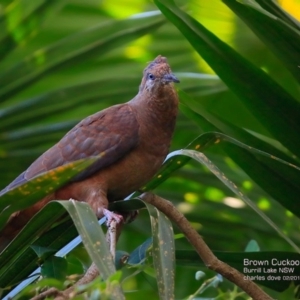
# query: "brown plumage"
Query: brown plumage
{"points": [[135, 137]]}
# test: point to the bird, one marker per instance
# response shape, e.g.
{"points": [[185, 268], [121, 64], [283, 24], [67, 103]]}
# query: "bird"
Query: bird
{"points": [[133, 139]]}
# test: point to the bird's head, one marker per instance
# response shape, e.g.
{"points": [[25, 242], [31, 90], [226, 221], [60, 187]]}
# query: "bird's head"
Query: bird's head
{"points": [[157, 75]]}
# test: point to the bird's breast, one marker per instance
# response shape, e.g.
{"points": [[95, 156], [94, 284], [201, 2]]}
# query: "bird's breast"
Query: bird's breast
{"points": [[133, 171]]}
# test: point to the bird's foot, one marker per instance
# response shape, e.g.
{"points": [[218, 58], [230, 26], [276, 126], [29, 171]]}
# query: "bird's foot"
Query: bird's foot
{"points": [[111, 216]]}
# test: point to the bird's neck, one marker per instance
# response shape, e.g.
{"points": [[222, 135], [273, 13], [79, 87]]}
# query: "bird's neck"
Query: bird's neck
{"points": [[156, 114], [160, 107]]}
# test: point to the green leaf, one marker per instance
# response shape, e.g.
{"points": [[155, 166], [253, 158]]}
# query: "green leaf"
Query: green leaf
{"points": [[209, 122], [200, 157], [276, 10], [18, 260], [163, 252], [92, 235], [252, 246], [271, 30], [28, 111], [38, 116], [27, 194], [21, 19], [283, 183], [75, 266], [274, 174], [257, 91], [138, 255], [19, 251], [281, 175], [42, 251], [55, 267], [177, 159], [78, 47], [30, 291], [127, 205]]}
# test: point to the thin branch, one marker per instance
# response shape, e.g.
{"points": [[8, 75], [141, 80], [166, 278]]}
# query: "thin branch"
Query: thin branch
{"points": [[210, 260], [52, 292], [112, 237]]}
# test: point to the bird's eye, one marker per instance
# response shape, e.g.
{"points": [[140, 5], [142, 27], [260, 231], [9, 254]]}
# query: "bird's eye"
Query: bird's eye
{"points": [[151, 76]]}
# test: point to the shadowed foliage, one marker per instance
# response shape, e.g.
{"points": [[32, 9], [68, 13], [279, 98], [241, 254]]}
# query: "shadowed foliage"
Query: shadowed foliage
{"points": [[238, 65]]}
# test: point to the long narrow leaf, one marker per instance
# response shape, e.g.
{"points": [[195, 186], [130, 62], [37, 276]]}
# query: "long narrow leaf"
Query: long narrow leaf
{"points": [[281, 38], [258, 92], [208, 121], [163, 252], [25, 195], [19, 251], [78, 47], [21, 18], [56, 102], [273, 7], [279, 176], [200, 157], [92, 235], [18, 255]]}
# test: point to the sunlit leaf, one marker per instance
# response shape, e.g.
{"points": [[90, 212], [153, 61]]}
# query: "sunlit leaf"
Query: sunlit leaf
{"points": [[22, 18], [257, 91], [275, 9], [270, 30]]}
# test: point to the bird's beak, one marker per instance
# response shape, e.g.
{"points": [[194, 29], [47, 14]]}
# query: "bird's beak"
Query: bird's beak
{"points": [[171, 78]]}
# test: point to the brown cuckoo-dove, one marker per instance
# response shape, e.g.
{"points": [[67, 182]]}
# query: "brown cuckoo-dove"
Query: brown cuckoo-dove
{"points": [[135, 137]]}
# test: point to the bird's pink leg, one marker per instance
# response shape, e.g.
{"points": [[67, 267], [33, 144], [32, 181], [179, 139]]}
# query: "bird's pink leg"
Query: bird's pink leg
{"points": [[111, 216], [92, 193]]}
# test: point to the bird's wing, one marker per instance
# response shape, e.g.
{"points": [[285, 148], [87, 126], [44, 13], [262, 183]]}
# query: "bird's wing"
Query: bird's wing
{"points": [[113, 132]]}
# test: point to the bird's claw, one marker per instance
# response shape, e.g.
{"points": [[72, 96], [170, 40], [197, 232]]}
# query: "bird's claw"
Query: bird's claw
{"points": [[111, 216]]}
